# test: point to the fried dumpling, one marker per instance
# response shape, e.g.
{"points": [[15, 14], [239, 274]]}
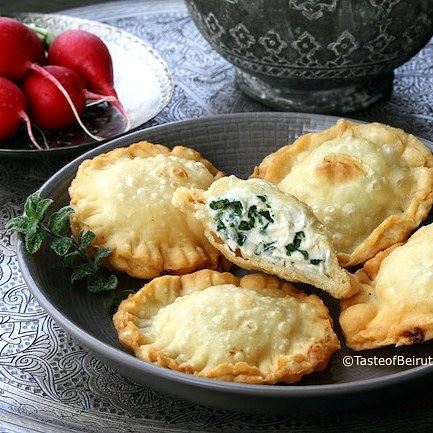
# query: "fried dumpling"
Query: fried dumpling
{"points": [[369, 184], [395, 303], [254, 329], [257, 226], [124, 197]]}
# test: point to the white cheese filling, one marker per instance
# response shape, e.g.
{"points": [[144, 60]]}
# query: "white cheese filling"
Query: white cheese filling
{"points": [[259, 226]]}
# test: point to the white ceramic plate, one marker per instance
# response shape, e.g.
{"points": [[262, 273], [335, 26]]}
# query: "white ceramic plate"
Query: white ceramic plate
{"points": [[141, 78]]}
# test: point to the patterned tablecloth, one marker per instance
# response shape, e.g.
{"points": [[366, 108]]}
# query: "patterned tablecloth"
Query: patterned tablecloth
{"points": [[48, 383]]}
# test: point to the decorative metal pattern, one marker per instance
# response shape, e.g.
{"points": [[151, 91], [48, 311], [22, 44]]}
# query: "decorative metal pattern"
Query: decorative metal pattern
{"points": [[305, 49], [47, 381]]}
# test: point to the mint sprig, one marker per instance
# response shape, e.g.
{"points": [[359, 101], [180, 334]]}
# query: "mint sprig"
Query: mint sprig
{"points": [[31, 225]]}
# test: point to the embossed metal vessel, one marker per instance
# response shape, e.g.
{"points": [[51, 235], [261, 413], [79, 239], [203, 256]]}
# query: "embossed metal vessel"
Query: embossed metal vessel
{"points": [[332, 56]]}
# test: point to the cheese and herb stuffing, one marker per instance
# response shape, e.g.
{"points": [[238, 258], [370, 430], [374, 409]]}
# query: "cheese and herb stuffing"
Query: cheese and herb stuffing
{"points": [[257, 226], [251, 223]]}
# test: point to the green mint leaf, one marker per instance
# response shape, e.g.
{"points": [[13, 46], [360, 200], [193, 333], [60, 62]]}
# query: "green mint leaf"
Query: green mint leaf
{"points": [[41, 208], [71, 258], [19, 224], [34, 239], [85, 239], [111, 283], [100, 255], [95, 285], [112, 300], [61, 246], [263, 198], [82, 271], [31, 205], [316, 261], [59, 221]]}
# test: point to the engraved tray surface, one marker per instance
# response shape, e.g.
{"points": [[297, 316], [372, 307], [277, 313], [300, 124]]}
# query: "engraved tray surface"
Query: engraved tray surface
{"points": [[47, 381]]}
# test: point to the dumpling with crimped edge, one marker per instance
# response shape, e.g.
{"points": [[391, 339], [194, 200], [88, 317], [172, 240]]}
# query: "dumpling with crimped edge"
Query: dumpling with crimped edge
{"points": [[395, 302], [254, 329], [258, 227], [124, 197], [369, 184]]}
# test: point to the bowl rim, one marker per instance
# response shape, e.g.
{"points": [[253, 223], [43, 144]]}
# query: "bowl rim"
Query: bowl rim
{"points": [[122, 357]]}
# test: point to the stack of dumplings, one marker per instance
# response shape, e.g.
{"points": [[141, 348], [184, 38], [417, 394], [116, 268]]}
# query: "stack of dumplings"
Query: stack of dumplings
{"points": [[347, 196]]}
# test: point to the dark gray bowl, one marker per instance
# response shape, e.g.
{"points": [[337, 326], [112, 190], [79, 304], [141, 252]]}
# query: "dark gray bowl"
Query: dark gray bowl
{"points": [[323, 56], [235, 143]]}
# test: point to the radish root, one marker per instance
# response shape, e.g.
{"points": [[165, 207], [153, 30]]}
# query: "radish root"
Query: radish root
{"points": [[97, 99], [30, 132], [44, 139], [120, 107], [48, 76], [112, 99]]}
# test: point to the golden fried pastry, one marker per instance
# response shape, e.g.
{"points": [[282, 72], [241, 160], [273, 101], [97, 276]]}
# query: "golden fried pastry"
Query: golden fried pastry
{"points": [[395, 303], [254, 329], [124, 197], [257, 226], [369, 184]]}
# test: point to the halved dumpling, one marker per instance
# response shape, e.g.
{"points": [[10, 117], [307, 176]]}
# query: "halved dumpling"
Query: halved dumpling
{"points": [[254, 329], [369, 184], [124, 197], [257, 226], [395, 303]]}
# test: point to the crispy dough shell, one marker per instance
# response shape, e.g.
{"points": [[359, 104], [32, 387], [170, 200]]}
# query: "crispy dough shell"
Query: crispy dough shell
{"points": [[394, 228], [136, 254], [313, 356], [370, 319], [340, 283]]}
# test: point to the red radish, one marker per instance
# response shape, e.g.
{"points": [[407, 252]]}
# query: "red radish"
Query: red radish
{"points": [[87, 55], [47, 106], [15, 52], [16, 59], [12, 111], [37, 49]]}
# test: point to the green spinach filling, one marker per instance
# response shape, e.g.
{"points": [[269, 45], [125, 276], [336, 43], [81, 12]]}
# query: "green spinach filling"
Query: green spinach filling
{"points": [[233, 220]]}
